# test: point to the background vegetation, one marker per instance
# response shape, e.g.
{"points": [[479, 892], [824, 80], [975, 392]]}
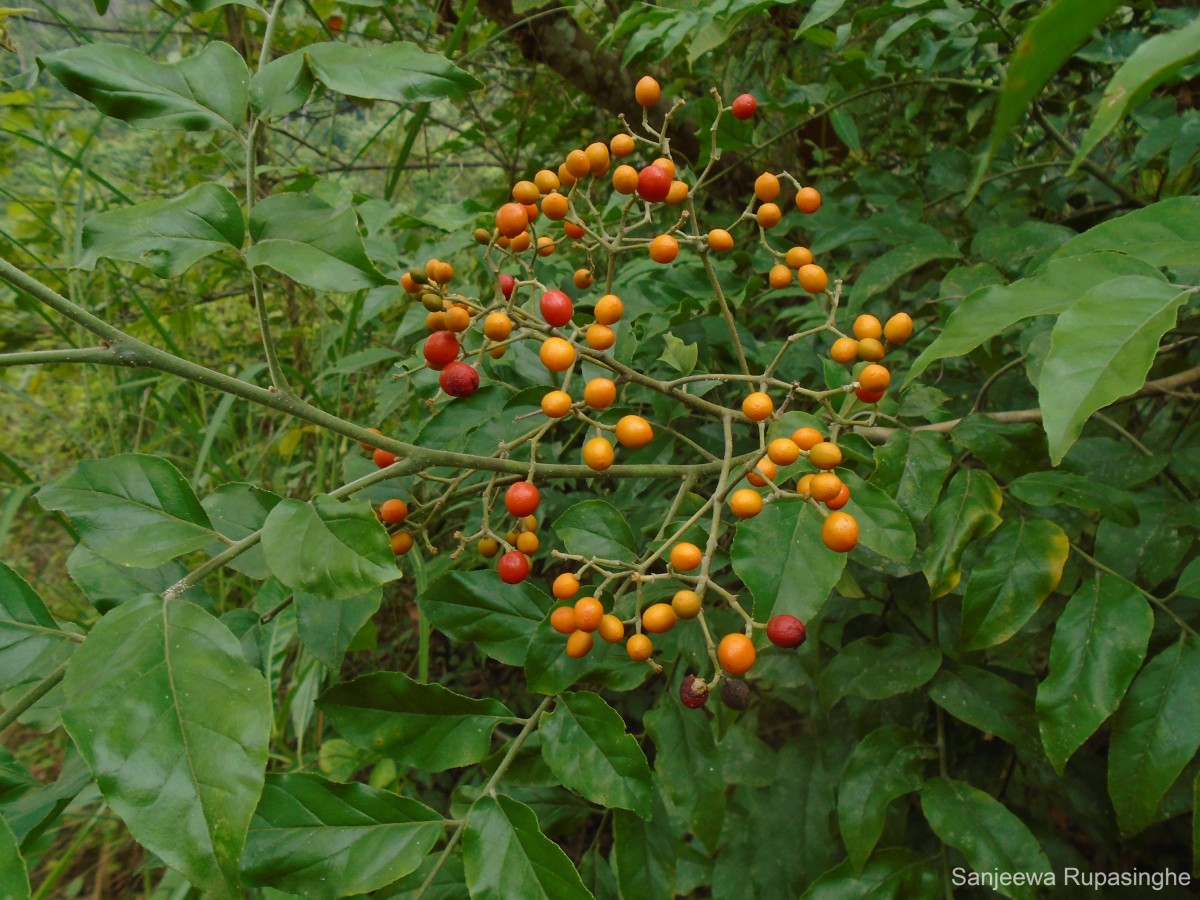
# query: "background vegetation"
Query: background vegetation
{"points": [[1004, 676]]}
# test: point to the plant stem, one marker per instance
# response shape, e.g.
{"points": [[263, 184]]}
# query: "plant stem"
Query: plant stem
{"points": [[32, 696]]}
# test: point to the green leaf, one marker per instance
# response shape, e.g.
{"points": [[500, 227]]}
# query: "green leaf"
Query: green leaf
{"points": [[820, 11], [399, 71], [912, 467], [989, 702], [984, 831], [107, 584], [500, 619], [888, 763], [1152, 63], [885, 269], [1155, 734], [643, 853], [14, 880], [327, 627], [585, 743], [1100, 350], [1066, 489], [971, 509], [679, 356], [1021, 565], [892, 874], [883, 526], [313, 243], [688, 764], [281, 87], [780, 557], [879, 667], [990, 310], [37, 808], [1057, 32], [237, 511], [132, 509], [422, 725], [595, 528], [335, 549], [1161, 234], [174, 726], [325, 840], [505, 855], [200, 93], [31, 643], [1189, 582], [1099, 644], [168, 237]]}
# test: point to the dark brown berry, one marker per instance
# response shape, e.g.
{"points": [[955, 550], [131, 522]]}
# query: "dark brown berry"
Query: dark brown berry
{"points": [[735, 694]]}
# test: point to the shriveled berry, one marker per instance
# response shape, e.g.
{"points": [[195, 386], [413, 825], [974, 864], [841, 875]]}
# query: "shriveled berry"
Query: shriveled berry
{"points": [[693, 692], [735, 693]]}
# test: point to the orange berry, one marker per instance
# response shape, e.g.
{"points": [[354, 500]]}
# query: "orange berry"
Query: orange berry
{"points": [[664, 248], [557, 354], [565, 587], [825, 455], [796, 257], [598, 158], [436, 321], [758, 406], [410, 284], [555, 207], [842, 498], [780, 276], [639, 647], [579, 644], [812, 278], [383, 458], [736, 653], [808, 200], [393, 511], [663, 163], [839, 532], [783, 451], [768, 215], [598, 454], [545, 245], [562, 619], [804, 483], [556, 404], [867, 326], [565, 178], [511, 219], [720, 240], [766, 187], [647, 91], [520, 243], [764, 471], [526, 192], [807, 437], [899, 328], [497, 326], [609, 309], [488, 547], [745, 503], [625, 179], [573, 230], [824, 486], [577, 163], [874, 378], [659, 618], [600, 337], [634, 432], [457, 319], [582, 279], [678, 193], [611, 628], [621, 145], [588, 613], [844, 350], [685, 557], [686, 604], [546, 181], [871, 350], [600, 393], [401, 542], [367, 446]]}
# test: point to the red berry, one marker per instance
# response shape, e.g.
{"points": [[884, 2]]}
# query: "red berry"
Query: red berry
{"points": [[786, 631], [868, 396], [693, 692], [459, 379], [654, 183], [513, 567], [382, 458], [744, 106], [522, 498], [441, 348], [557, 308], [507, 283]]}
